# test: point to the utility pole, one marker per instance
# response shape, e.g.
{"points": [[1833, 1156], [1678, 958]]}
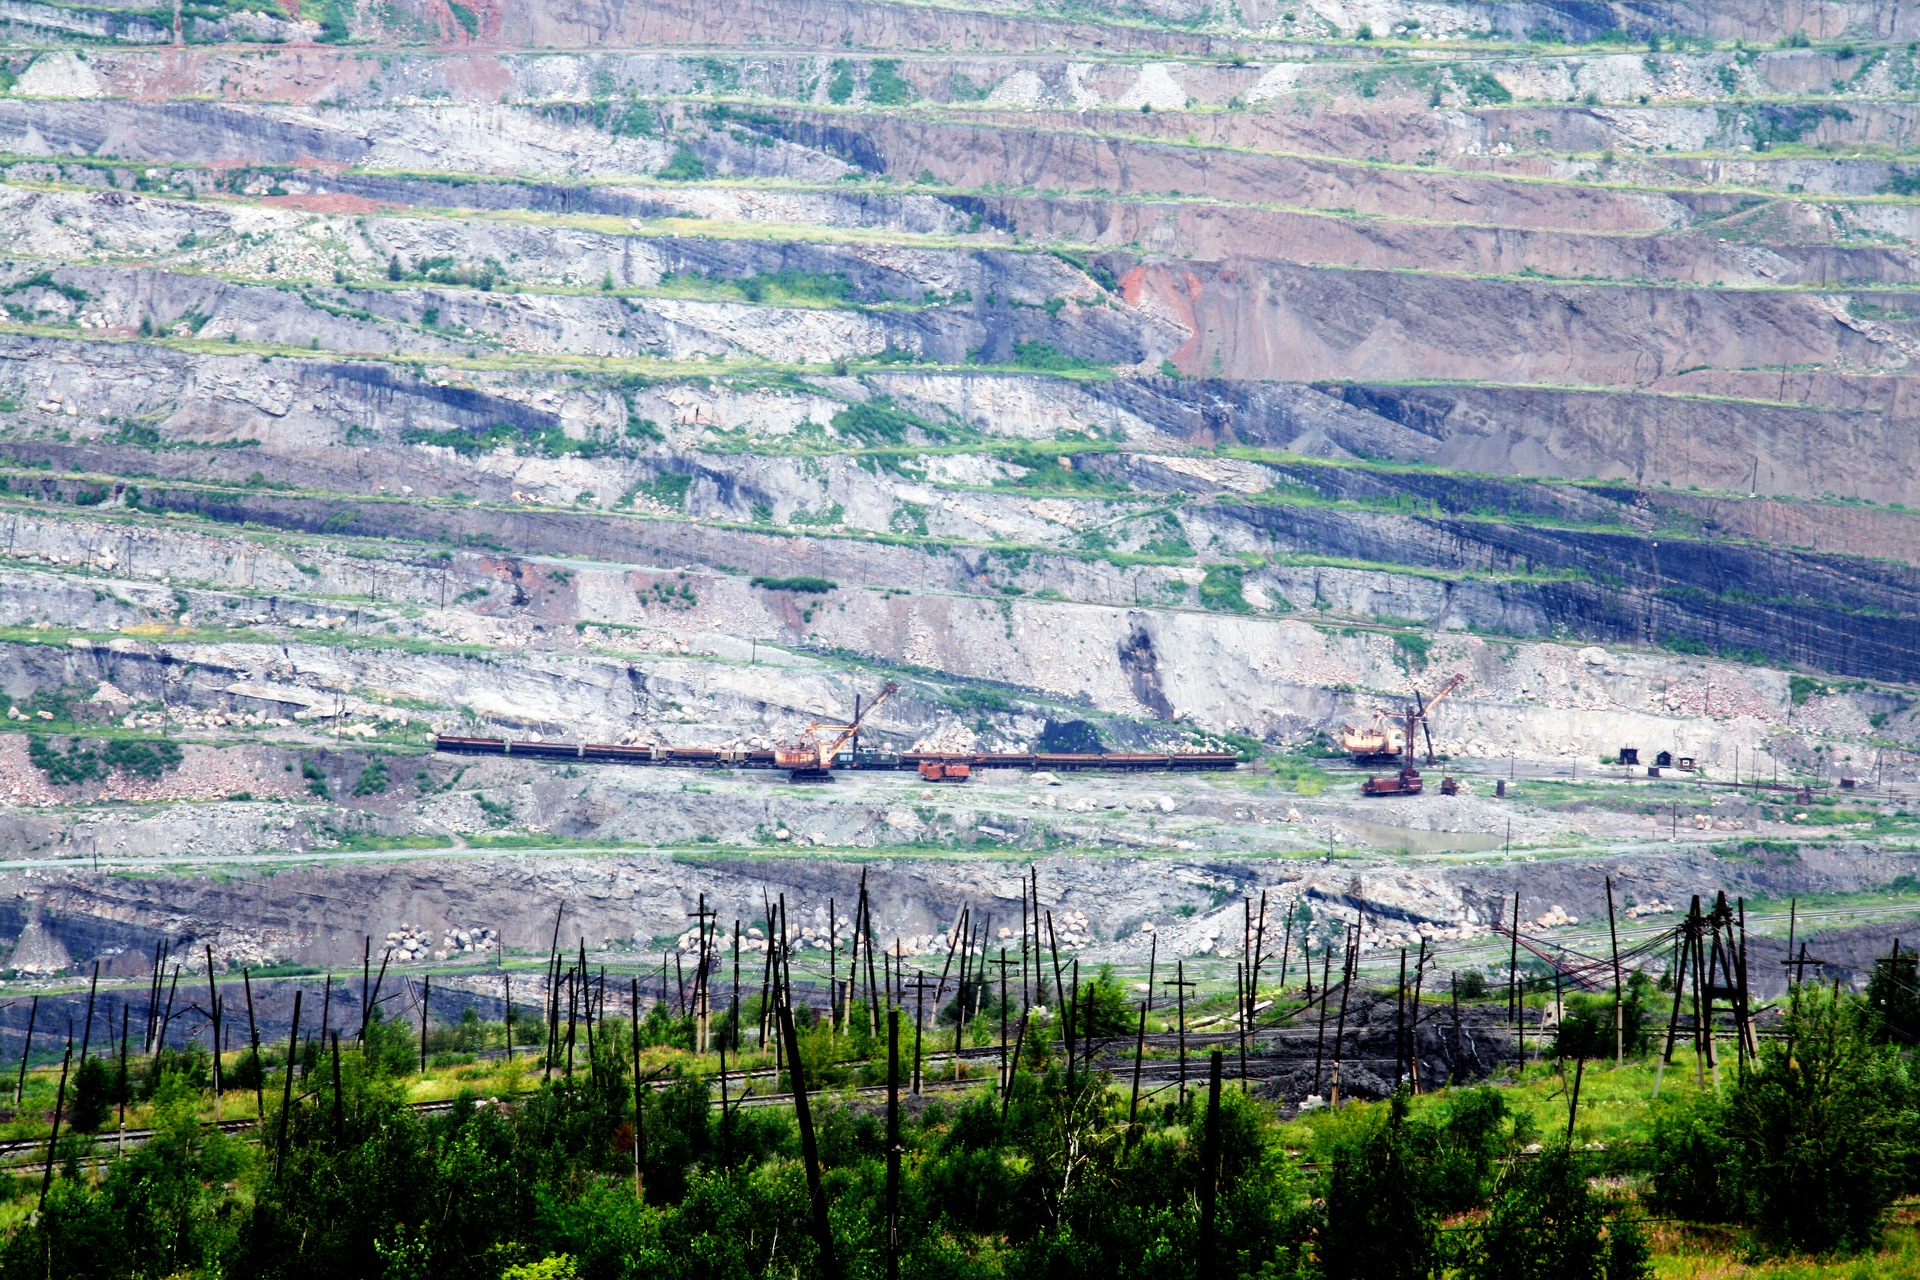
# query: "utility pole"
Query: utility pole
{"points": [[1180, 985]]}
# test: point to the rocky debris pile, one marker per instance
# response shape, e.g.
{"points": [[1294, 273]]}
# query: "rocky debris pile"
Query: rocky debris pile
{"points": [[1653, 908], [467, 942], [1554, 917], [409, 943]]}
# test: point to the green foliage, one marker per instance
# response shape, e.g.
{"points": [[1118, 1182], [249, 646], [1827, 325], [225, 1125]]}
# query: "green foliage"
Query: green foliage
{"points": [[1410, 649], [669, 487], [1803, 687], [1379, 1224], [885, 87], [372, 780], [550, 441], [683, 167], [1483, 90], [469, 21], [1221, 588], [878, 422], [1690, 1154], [1821, 1129], [1047, 358], [95, 1090], [1106, 1007], [1893, 996], [1586, 1027], [45, 280], [840, 87], [803, 585], [315, 779], [142, 757], [1547, 1224]]}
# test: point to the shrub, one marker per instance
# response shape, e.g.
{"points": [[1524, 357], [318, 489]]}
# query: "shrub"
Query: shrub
{"points": [[805, 585]]}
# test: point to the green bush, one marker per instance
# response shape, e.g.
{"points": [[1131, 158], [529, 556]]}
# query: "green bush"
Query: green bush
{"points": [[1221, 588], [683, 167], [804, 585]]}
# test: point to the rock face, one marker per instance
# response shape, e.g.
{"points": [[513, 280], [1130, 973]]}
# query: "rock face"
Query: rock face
{"points": [[1148, 378]]}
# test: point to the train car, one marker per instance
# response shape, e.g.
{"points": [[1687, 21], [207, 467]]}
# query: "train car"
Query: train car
{"points": [[470, 746]]}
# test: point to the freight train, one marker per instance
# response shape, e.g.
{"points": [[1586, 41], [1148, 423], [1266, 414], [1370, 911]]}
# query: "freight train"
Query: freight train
{"points": [[926, 763]]}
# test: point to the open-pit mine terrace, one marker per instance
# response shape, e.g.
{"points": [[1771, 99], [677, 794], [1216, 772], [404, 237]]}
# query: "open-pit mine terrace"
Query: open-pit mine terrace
{"points": [[1146, 378]]}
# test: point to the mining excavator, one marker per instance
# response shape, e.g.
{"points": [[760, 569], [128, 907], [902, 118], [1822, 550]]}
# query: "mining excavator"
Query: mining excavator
{"points": [[1381, 741], [813, 758]]}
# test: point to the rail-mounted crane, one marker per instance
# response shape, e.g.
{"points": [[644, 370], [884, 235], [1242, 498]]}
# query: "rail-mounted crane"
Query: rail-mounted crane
{"points": [[813, 757], [1376, 743]]}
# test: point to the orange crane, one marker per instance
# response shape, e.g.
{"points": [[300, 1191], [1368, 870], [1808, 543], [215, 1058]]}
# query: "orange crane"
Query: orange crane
{"points": [[1419, 711], [812, 758], [1408, 782]]}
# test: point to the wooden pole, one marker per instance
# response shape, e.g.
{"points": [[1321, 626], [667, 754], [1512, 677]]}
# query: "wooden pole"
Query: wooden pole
{"points": [[20, 1090], [1453, 1073], [339, 1107], [286, 1095], [253, 1040], [426, 994], [59, 1104], [1619, 1007], [809, 1149], [1573, 1106], [1210, 1172], [122, 1091], [93, 987], [1413, 1032], [893, 1144], [1340, 1032], [213, 1014], [1320, 1040], [1400, 1022], [639, 1118], [1133, 1104]]}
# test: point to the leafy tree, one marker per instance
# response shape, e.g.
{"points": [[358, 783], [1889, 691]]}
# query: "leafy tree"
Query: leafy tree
{"points": [[1547, 1224], [1691, 1156], [1379, 1223], [1820, 1129]]}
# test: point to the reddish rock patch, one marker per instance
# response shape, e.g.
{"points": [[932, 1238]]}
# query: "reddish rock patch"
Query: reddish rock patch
{"points": [[332, 202]]}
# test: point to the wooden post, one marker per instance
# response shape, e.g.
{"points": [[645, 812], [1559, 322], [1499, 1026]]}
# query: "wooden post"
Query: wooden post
{"points": [[122, 1092], [286, 1095], [373, 1002], [809, 1149], [509, 1010], [1400, 1022], [59, 1104], [1413, 1034], [1619, 1008], [1453, 1073], [366, 977], [1180, 985], [639, 1115], [1210, 1172], [93, 987], [426, 994], [1513, 970], [1340, 1032], [339, 1106], [833, 970], [1320, 1040], [213, 1015], [893, 1144], [20, 1090], [1678, 971], [1133, 1104], [253, 1039], [1573, 1106], [1013, 1069]]}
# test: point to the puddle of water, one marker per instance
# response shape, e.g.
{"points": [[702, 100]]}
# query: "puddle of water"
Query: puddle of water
{"points": [[1382, 835]]}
